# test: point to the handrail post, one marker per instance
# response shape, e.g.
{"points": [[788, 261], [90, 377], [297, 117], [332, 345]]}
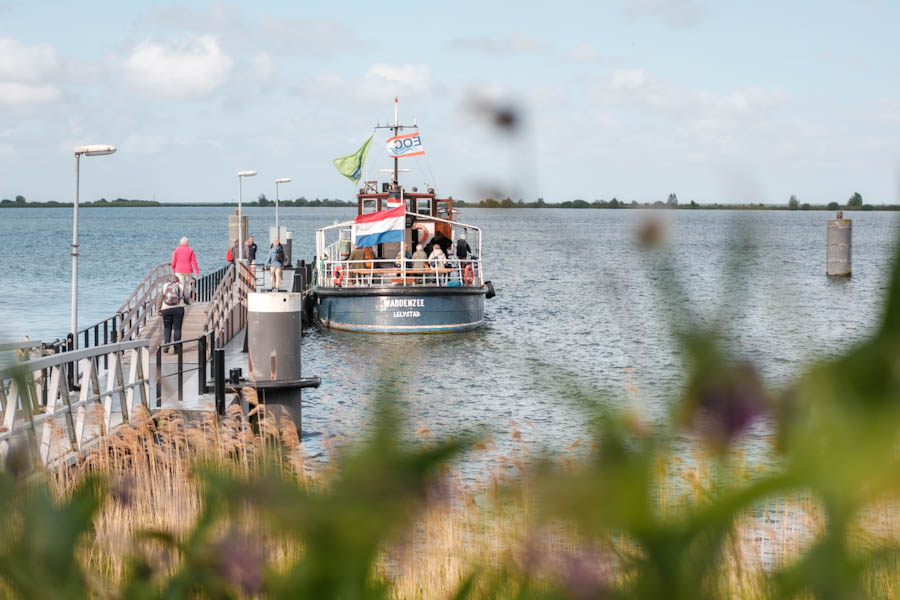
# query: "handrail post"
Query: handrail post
{"points": [[201, 365], [219, 376], [159, 376], [71, 370], [180, 349], [105, 342]]}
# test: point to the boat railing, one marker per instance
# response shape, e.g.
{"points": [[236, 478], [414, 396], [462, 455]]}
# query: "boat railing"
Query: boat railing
{"points": [[451, 272]]}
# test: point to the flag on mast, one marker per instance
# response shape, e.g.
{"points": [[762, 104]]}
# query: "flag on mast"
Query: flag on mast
{"points": [[408, 144], [351, 166]]}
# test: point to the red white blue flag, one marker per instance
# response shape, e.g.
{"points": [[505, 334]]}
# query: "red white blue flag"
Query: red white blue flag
{"points": [[380, 227]]}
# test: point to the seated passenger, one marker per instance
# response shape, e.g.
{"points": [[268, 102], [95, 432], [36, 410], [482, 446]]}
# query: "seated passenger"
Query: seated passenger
{"points": [[420, 259], [356, 258], [437, 258], [401, 254]]}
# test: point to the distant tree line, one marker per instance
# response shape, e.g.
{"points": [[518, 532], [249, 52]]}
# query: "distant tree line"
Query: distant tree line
{"points": [[855, 202], [21, 202], [302, 201]]}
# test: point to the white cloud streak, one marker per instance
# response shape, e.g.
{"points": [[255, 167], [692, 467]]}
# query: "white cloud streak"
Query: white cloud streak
{"points": [[514, 42], [27, 73], [178, 70], [673, 13]]}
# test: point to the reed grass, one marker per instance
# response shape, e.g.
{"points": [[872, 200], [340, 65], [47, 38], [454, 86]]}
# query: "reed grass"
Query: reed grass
{"points": [[486, 527]]}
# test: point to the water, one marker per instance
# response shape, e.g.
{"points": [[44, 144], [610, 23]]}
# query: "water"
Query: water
{"points": [[576, 302]]}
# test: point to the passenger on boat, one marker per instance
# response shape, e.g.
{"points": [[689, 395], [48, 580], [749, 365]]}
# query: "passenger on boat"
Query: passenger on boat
{"points": [[462, 248], [275, 263], [420, 259], [444, 242], [437, 258], [401, 254]]}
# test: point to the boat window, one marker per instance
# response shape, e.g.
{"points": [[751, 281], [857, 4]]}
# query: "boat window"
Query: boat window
{"points": [[424, 206], [369, 206], [443, 210]]}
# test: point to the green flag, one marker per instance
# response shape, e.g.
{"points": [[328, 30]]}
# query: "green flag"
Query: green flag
{"points": [[351, 166]]}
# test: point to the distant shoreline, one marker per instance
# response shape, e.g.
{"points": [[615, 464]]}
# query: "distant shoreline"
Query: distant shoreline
{"points": [[577, 204]]}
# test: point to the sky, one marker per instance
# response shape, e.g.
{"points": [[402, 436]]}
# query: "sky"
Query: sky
{"points": [[739, 101]]}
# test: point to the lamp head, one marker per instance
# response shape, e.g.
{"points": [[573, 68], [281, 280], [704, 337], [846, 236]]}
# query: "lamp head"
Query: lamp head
{"points": [[246, 173], [283, 180], [94, 150]]}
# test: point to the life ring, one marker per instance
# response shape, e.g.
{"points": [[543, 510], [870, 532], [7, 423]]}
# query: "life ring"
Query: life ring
{"points": [[338, 275], [424, 234], [469, 274]]}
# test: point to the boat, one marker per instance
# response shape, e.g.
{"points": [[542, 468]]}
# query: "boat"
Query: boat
{"points": [[370, 290]]}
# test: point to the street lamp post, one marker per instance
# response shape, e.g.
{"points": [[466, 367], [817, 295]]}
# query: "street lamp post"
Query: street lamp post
{"points": [[277, 181], [241, 175], [92, 150]]}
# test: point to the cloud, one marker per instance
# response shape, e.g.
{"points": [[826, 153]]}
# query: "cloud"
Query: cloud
{"points": [[12, 92], [385, 81], [263, 65], [179, 70], [585, 53], [673, 13], [629, 79], [514, 42], [27, 72]]}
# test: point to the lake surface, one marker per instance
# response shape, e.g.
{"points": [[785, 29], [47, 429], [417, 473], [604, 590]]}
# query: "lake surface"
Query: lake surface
{"points": [[577, 301]]}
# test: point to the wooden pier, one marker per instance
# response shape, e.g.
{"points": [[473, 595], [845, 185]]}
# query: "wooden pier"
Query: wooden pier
{"points": [[59, 405]]}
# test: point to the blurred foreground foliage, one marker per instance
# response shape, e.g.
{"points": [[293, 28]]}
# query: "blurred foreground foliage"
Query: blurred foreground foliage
{"points": [[836, 432]]}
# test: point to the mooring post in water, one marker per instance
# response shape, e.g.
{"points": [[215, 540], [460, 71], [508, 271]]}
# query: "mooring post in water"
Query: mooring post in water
{"points": [[839, 246]]}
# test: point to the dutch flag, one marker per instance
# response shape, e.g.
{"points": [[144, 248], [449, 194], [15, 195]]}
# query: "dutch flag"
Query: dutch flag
{"points": [[380, 227]]}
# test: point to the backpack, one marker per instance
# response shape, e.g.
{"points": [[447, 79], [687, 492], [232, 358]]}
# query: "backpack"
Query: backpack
{"points": [[172, 293], [279, 254], [229, 256]]}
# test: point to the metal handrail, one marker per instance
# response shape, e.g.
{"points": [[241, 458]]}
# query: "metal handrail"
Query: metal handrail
{"points": [[221, 316], [375, 274], [205, 346], [34, 393]]}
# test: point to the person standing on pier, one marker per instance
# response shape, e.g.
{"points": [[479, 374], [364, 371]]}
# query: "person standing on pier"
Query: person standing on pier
{"points": [[275, 263], [184, 264], [174, 299], [250, 253]]}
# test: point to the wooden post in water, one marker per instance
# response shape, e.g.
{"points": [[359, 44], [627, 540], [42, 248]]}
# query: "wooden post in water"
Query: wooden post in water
{"points": [[839, 247]]}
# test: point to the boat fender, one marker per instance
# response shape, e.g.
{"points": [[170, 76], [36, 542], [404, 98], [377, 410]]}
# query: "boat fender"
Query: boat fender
{"points": [[469, 274], [490, 293], [338, 275]]}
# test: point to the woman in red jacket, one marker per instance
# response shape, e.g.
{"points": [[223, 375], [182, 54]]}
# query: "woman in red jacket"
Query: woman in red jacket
{"points": [[184, 264]]}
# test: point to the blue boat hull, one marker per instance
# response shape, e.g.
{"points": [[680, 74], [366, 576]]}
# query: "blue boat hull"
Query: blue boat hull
{"points": [[401, 310]]}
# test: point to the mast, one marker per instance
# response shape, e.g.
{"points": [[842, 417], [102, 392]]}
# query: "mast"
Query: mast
{"points": [[396, 132], [396, 128]]}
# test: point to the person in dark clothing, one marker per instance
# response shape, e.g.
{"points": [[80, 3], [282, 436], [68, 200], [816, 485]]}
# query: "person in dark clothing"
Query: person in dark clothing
{"points": [[172, 310], [443, 241], [462, 248], [250, 254]]}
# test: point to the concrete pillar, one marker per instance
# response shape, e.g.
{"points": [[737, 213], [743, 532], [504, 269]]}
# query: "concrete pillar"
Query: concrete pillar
{"points": [[274, 325], [839, 246], [233, 228]]}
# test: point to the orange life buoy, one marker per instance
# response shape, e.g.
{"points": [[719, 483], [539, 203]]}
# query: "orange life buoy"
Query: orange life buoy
{"points": [[338, 275], [424, 234], [469, 274]]}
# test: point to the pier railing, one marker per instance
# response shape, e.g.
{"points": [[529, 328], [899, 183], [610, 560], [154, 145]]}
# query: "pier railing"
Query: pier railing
{"points": [[223, 316], [34, 394], [132, 315]]}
